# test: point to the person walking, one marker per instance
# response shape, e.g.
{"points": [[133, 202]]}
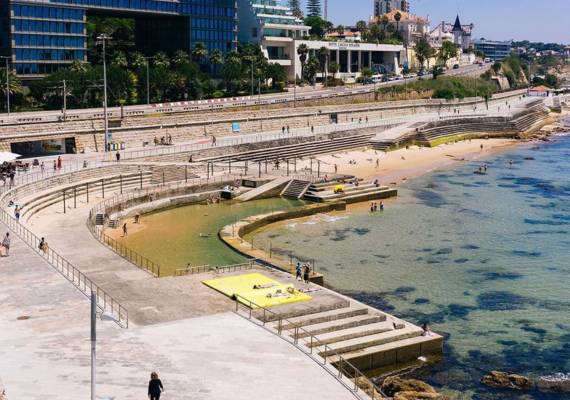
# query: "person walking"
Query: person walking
{"points": [[6, 243], [307, 273], [43, 246], [118, 156], [125, 229], [58, 162], [155, 387], [54, 166], [298, 272]]}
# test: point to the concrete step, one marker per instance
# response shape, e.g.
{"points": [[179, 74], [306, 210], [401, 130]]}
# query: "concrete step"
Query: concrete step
{"points": [[350, 310], [395, 352], [346, 346], [296, 189], [345, 323], [355, 333]]}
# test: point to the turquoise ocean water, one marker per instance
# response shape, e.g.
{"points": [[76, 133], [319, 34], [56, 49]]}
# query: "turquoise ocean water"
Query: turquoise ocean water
{"points": [[484, 259]]}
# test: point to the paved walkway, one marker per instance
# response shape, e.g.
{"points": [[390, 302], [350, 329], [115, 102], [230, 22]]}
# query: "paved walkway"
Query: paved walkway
{"points": [[220, 356]]}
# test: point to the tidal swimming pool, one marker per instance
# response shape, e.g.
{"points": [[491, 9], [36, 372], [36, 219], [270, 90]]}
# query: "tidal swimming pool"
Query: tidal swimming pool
{"points": [[178, 236]]}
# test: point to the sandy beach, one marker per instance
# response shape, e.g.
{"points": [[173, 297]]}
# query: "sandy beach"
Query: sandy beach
{"points": [[400, 165]]}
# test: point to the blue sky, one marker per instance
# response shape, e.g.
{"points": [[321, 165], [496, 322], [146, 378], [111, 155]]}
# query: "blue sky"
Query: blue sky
{"points": [[535, 20]]}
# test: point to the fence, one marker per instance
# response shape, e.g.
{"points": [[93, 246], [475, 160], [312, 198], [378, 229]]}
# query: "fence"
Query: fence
{"points": [[118, 201], [218, 270], [344, 371], [105, 302]]}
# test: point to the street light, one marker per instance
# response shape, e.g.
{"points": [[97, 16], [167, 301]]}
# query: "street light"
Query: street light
{"points": [[105, 316], [148, 79], [7, 84], [252, 76], [103, 39]]}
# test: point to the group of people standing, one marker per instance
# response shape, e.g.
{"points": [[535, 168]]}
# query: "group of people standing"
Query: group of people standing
{"points": [[376, 206], [303, 272]]}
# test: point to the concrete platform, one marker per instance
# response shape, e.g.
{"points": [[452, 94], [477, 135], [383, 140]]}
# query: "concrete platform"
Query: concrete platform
{"points": [[45, 355]]}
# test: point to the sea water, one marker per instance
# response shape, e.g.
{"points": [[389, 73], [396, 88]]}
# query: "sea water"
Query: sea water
{"points": [[483, 259], [176, 237]]}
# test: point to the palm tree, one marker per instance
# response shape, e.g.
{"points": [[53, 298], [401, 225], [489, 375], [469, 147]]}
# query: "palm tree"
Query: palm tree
{"points": [[334, 68], [161, 60], [303, 51], [323, 61], [120, 59], [199, 52], [397, 18], [216, 58], [15, 87], [295, 6], [361, 26], [138, 60], [180, 58]]}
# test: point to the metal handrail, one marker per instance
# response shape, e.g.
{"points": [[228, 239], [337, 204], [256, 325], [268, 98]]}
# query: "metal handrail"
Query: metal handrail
{"points": [[105, 302], [127, 253], [344, 366]]}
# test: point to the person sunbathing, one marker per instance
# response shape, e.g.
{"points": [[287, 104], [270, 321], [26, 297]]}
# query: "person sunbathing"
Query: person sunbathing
{"points": [[265, 286]]}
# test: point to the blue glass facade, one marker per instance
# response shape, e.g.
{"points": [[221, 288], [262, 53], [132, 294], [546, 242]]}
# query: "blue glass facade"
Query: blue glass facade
{"points": [[44, 35]]}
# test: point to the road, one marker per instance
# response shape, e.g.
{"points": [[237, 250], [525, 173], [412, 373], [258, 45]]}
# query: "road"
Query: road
{"points": [[293, 95]]}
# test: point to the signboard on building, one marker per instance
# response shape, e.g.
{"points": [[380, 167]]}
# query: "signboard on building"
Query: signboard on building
{"points": [[236, 127]]}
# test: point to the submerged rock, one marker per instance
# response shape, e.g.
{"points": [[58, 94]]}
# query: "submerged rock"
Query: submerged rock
{"points": [[555, 383], [409, 389], [504, 380]]}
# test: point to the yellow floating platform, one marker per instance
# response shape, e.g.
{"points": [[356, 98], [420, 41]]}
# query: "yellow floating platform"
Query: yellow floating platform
{"points": [[268, 292]]}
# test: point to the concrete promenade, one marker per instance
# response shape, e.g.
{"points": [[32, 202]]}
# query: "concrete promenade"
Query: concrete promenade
{"points": [[221, 356]]}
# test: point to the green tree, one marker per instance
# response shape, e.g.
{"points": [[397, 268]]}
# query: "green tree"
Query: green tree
{"points": [[448, 51], [366, 73], [295, 6], [138, 61], [340, 29], [496, 67], [180, 58], [314, 8], [323, 55], [15, 89], [424, 51], [318, 26], [361, 26], [334, 68], [276, 73], [199, 52], [161, 60], [303, 51], [398, 18], [120, 59], [312, 69], [216, 58]]}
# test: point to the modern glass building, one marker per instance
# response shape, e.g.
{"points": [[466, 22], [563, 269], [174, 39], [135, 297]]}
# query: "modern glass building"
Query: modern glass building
{"points": [[496, 51], [42, 36]]}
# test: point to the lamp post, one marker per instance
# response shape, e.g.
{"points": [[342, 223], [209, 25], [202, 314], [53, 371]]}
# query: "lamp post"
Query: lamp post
{"points": [[7, 84], [148, 79], [295, 90], [251, 76], [104, 317], [103, 39]]}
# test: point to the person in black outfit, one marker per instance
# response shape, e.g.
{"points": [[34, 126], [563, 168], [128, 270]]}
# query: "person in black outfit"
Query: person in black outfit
{"points": [[155, 387]]}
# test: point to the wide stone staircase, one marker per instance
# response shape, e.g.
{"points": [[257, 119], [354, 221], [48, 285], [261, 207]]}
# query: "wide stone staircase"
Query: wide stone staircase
{"points": [[173, 173], [351, 193], [296, 189], [298, 150], [364, 336]]}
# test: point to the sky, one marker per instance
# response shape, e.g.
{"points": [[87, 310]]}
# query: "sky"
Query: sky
{"points": [[534, 20]]}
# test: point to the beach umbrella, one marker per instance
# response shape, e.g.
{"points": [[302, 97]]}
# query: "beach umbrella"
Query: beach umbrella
{"points": [[6, 156]]}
